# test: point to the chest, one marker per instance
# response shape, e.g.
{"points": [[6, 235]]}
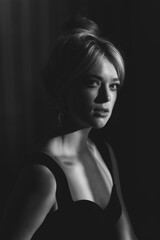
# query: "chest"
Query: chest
{"points": [[88, 178]]}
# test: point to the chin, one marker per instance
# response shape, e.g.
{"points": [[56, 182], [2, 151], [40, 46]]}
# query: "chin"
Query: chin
{"points": [[99, 123], [98, 126], [92, 122]]}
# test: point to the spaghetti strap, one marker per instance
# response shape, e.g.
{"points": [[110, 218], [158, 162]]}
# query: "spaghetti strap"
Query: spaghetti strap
{"points": [[102, 147], [63, 191], [95, 219]]}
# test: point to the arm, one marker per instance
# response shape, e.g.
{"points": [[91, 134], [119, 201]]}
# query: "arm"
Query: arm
{"points": [[124, 227], [31, 200]]}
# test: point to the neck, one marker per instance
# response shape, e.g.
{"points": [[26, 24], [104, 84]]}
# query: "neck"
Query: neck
{"points": [[70, 137], [76, 141], [74, 135]]}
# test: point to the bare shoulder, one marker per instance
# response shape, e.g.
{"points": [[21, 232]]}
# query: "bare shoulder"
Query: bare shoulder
{"points": [[38, 178], [32, 198]]}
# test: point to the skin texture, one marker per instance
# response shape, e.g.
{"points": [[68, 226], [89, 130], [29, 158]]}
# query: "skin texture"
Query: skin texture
{"points": [[34, 196], [97, 88]]}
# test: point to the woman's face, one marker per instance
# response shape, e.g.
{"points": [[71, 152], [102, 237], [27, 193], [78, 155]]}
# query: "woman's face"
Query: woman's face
{"points": [[90, 98]]}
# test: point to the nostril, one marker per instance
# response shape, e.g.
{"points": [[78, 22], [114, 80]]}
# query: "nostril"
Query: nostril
{"points": [[104, 95]]}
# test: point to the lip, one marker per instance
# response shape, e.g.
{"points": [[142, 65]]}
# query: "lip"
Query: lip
{"points": [[101, 112], [101, 109]]}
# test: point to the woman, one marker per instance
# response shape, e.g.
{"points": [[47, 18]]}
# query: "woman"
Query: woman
{"points": [[71, 187]]}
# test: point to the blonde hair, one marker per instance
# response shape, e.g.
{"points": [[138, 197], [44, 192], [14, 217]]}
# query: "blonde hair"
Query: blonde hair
{"points": [[75, 51]]}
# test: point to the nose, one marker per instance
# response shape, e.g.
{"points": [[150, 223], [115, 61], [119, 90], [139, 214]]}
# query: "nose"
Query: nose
{"points": [[104, 95], [107, 94]]}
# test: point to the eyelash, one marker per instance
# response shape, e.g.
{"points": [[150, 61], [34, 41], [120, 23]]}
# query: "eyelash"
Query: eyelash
{"points": [[117, 86], [92, 83]]}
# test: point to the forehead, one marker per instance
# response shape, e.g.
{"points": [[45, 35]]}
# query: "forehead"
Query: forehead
{"points": [[103, 68]]}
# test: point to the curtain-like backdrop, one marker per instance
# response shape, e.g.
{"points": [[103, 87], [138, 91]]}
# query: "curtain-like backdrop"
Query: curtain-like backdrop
{"points": [[28, 29], [27, 33]]}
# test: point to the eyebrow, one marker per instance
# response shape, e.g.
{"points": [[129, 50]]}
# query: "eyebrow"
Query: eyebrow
{"points": [[100, 78]]}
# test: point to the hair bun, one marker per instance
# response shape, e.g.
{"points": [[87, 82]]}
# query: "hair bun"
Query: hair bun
{"points": [[77, 24]]}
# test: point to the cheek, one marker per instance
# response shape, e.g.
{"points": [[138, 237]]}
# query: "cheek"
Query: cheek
{"points": [[113, 96], [113, 101], [81, 101]]}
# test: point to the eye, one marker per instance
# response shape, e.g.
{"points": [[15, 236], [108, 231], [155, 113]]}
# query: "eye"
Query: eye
{"points": [[93, 83], [115, 86]]}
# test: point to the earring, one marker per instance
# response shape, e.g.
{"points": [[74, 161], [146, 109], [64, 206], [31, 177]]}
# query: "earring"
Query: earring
{"points": [[60, 109], [60, 117]]}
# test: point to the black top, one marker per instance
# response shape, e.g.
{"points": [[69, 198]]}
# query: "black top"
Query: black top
{"points": [[82, 219]]}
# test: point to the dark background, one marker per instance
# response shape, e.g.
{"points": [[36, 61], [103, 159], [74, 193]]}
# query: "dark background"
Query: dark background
{"points": [[28, 30]]}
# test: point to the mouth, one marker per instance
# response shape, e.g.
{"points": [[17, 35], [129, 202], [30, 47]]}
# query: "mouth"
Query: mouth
{"points": [[101, 112]]}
